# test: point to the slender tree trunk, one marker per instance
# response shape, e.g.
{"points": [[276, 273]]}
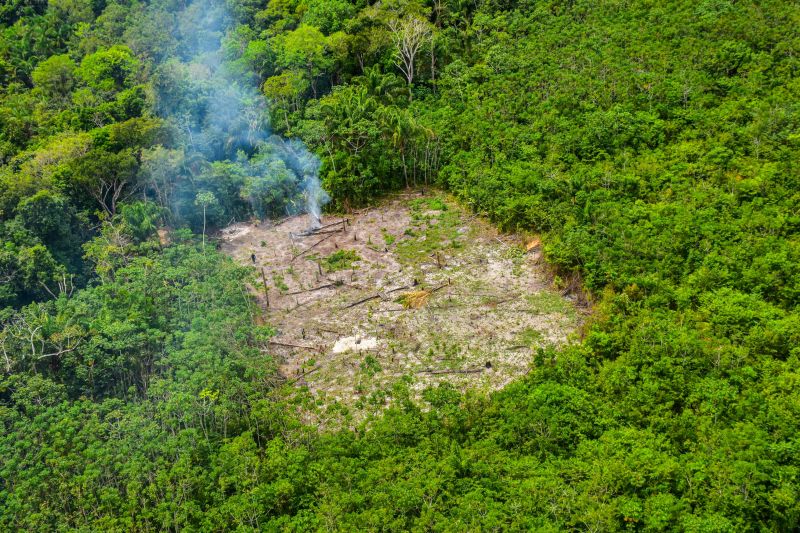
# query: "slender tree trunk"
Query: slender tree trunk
{"points": [[204, 228], [433, 64], [405, 168], [313, 80]]}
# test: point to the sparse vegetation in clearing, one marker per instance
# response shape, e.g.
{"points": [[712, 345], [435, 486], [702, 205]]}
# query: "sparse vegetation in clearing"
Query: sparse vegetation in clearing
{"points": [[529, 337], [370, 366], [431, 231], [388, 238], [340, 260], [547, 302], [431, 203], [279, 281], [380, 329]]}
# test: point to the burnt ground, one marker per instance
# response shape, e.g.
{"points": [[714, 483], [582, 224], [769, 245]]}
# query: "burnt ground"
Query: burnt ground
{"points": [[337, 300]]}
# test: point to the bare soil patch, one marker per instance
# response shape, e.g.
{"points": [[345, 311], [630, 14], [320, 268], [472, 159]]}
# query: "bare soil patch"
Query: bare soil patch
{"points": [[415, 291]]}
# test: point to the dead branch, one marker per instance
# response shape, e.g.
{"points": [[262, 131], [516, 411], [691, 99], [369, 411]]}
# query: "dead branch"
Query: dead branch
{"points": [[291, 345], [314, 245], [376, 296], [390, 291], [329, 285], [266, 288], [363, 301], [315, 232], [344, 221], [335, 332], [282, 221], [451, 371], [304, 374], [442, 286], [501, 241], [47, 289]]}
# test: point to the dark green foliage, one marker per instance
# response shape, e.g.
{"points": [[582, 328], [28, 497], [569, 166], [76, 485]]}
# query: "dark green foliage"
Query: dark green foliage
{"points": [[653, 145], [137, 379]]}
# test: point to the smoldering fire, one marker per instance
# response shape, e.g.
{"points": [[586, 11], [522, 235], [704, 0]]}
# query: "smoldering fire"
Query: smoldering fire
{"points": [[225, 118]]}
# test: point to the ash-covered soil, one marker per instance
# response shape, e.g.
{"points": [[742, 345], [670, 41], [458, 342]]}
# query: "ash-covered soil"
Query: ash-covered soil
{"points": [[415, 291]]}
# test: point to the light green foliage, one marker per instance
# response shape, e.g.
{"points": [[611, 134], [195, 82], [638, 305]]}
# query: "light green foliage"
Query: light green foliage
{"points": [[304, 49], [141, 219], [109, 70], [370, 366], [72, 11], [388, 238], [205, 199], [341, 260], [327, 15], [285, 91], [279, 281]]}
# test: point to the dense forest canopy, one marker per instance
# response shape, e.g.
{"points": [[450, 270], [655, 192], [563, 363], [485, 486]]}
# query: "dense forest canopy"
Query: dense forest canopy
{"points": [[654, 145]]}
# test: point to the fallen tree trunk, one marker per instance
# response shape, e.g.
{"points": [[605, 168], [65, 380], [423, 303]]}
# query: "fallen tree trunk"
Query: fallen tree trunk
{"points": [[451, 371], [390, 291], [440, 287], [363, 301], [317, 232], [290, 345], [344, 221], [375, 296], [329, 285], [313, 246], [303, 375]]}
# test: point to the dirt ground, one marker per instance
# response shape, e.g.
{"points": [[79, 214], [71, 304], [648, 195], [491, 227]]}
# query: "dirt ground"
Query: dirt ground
{"points": [[415, 290]]}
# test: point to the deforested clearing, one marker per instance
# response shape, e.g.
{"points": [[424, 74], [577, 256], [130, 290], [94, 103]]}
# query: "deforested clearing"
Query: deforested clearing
{"points": [[429, 293]]}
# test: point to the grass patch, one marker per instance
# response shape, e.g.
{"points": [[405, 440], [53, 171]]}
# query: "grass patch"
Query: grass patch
{"points": [[529, 337], [428, 238], [370, 366], [388, 238], [279, 282], [546, 302], [340, 260], [428, 204]]}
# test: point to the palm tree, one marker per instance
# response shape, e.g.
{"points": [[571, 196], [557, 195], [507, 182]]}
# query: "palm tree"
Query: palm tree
{"points": [[205, 199]]}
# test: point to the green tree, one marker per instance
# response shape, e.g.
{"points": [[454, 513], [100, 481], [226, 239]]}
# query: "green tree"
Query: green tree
{"points": [[285, 91], [205, 200], [112, 69], [305, 49], [55, 77]]}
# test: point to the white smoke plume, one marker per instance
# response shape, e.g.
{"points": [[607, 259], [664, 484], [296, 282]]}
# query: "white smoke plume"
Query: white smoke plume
{"points": [[223, 117]]}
